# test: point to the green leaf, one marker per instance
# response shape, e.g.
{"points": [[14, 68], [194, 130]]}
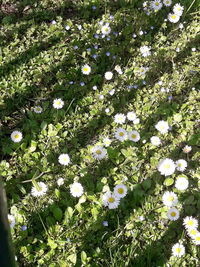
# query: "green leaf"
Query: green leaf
{"points": [[72, 258], [33, 146], [57, 213], [83, 257], [168, 181], [146, 184]]}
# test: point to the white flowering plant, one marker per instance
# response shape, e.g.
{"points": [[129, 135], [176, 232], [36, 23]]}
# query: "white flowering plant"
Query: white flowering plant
{"points": [[99, 131]]}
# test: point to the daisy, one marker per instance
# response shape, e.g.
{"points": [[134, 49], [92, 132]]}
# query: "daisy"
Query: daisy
{"points": [[11, 220], [178, 250], [131, 116], [181, 183], [173, 18], [173, 214], [106, 29], [37, 109], [162, 127], [166, 167], [108, 75], [60, 181], [167, 2], [64, 159], [120, 190], [196, 239], [120, 134], [155, 140], [178, 9], [181, 165], [192, 232], [110, 200], [136, 121], [76, 189], [86, 69], [156, 5], [169, 199], [107, 141], [190, 222], [39, 190], [98, 152], [187, 149], [120, 118], [145, 51], [58, 103], [118, 69], [16, 136], [134, 136]]}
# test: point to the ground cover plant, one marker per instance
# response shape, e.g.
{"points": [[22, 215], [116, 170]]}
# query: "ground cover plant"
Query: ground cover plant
{"points": [[99, 131]]}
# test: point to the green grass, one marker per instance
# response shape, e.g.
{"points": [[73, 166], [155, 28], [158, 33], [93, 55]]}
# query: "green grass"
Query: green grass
{"points": [[38, 60]]}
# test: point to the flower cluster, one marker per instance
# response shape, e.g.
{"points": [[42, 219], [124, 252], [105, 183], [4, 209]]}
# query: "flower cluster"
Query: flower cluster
{"points": [[112, 200]]}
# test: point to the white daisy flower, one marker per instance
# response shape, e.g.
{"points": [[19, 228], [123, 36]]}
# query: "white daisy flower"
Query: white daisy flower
{"points": [[178, 9], [155, 140], [156, 5], [108, 75], [120, 190], [181, 165], [107, 141], [136, 121], [196, 239], [99, 152], [167, 2], [134, 136], [120, 134], [76, 189], [173, 18], [187, 149], [64, 159], [169, 199], [110, 200], [181, 183], [192, 232], [145, 51], [40, 190], [60, 181], [190, 222], [86, 69], [16, 136], [11, 220], [120, 118], [131, 116], [37, 109], [173, 214], [166, 167], [118, 69], [106, 29], [178, 250], [162, 127], [58, 103]]}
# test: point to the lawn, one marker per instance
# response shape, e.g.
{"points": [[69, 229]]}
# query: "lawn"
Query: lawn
{"points": [[99, 131]]}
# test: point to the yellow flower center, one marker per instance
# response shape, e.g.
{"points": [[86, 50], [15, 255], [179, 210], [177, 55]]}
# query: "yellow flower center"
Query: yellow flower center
{"points": [[197, 238], [167, 166], [170, 198], [193, 232], [157, 4], [173, 16], [190, 223], [120, 190], [173, 213], [134, 136], [16, 136], [85, 69], [121, 134], [178, 250], [111, 199], [58, 102], [98, 152]]}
